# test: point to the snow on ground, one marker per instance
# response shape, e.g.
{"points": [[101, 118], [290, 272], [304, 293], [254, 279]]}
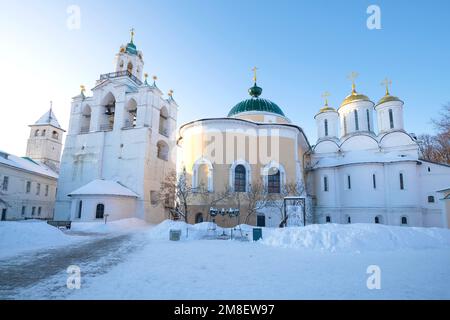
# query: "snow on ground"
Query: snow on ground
{"points": [[315, 262], [125, 225], [17, 237]]}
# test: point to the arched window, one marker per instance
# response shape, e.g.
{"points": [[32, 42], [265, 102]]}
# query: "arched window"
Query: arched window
{"points": [[355, 112], [377, 220], [391, 119], [107, 119], [349, 219], [55, 135], [203, 175], [327, 219], [130, 114], [85, 125], [273, 181], [130, 67], [430, 199], [404, 220], [240, 180], [36, 133], [163, 122], [345, 125], [43, 132], [368, 119], [325, 124], [374, 181], [402, 182], [163, 150], [100, 211], [80, 208], [325, 183], [199, 218]]}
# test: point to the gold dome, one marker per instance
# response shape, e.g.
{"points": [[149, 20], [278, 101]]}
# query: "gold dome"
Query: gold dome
{"points": [[327, 108], [354, 96]]}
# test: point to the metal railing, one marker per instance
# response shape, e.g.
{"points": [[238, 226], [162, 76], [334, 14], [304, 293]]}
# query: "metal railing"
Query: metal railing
{"points": [[84, 130], [118, 74], [106, 127]]}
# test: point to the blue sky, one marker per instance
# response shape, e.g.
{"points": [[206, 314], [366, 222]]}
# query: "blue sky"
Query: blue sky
{"points": [[204, 51]]}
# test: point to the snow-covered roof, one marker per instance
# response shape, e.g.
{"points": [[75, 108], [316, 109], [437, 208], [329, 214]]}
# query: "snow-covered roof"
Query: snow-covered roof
{"points": [[26, 164], [355, 157], [104, 187], [48, 118]]}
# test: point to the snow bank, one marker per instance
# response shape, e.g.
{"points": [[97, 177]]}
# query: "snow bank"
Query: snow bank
{"points": [[19, 236], [356, 237], [124, 225], [323, 237]]}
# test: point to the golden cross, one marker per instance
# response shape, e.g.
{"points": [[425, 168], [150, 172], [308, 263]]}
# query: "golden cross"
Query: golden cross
{"points": [[325, 95], [170, 93], [352, 76], [254, 73], [386, 82], [132, 34], [83, 88]]}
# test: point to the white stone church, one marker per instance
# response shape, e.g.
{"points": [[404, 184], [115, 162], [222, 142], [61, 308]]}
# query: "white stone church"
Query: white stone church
{"points": [[122, 141]]}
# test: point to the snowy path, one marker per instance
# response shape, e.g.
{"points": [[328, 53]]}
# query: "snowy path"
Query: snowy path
{"points": [[42, 275]]}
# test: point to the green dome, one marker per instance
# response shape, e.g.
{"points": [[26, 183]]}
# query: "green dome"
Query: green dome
{"points": [[131, 48], [256, 104]]}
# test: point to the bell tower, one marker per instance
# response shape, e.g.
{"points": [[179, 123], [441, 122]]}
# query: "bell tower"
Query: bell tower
{"points": [[130, 59], [45, 141]]}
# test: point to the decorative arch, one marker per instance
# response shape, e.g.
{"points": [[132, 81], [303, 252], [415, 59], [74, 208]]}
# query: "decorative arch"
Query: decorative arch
{"points": [[195, 173], [130, 114], [164, 121], [248, 174], [162, 150], [100, 211], [85, 125], [346, 144], [107, 116]]}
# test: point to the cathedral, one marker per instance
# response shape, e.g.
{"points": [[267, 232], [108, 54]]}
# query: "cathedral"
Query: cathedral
{"points": [[123, 141]]}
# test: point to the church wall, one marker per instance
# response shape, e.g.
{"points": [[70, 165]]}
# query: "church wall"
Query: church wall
{"points": [[115, 207]]}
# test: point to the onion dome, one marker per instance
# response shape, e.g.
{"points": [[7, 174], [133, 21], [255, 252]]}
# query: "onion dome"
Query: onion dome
{"points": [[131, 47], [387, 97], [326, 107], [354, 96], [256, 104]]}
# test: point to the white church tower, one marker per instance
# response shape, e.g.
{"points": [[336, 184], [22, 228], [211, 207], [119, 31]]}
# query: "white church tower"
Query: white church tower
{"points": [[119, 147], [327, 121], [389, 112], [45, 141]]}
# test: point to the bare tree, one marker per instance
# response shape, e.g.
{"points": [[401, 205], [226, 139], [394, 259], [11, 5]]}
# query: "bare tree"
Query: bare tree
{"points": [[175, 193], [276, 200], [254, 199], [437, 148], [212, 199]]}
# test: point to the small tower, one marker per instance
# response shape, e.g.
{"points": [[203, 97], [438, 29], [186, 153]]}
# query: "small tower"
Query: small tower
{"points": [[327, 121], [130, 59], [45, 141], [389, 111], [355, 112]]}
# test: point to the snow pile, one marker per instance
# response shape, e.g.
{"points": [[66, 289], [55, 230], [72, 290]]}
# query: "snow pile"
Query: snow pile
{"points": [[188, 231], [322, 237], [356, 237], [19, 236], [124, 225]]}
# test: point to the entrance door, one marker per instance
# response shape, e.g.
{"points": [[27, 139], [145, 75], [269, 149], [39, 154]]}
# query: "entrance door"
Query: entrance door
{"points": [[260, 221], [3, 214]]}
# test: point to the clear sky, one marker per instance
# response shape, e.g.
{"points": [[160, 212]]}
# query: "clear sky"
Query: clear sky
{"points": [[204, 50]]}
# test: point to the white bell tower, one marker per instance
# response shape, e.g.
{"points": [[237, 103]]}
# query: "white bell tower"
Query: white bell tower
{"points": [[45, 141], [130, 59]]}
